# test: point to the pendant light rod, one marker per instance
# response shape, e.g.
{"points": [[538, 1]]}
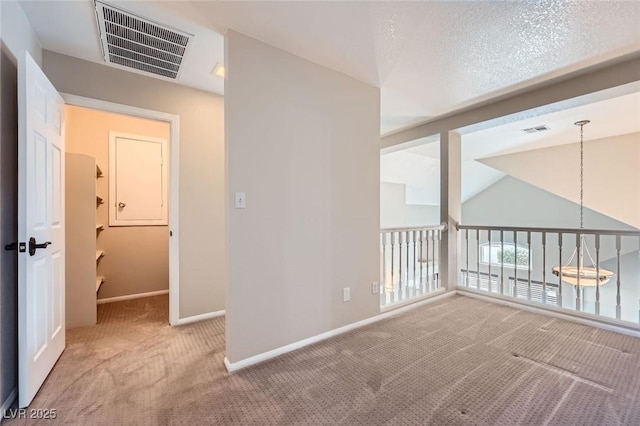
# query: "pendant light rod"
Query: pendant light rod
{"points": [[582, 123], [581, 275]]}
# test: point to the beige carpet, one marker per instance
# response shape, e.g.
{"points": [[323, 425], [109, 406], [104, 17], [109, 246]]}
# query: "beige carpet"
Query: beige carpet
{"points": [[458, 361]]}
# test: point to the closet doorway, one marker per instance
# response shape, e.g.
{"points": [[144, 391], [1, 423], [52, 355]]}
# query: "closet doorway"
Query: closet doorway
{"points": [[122, 172]]}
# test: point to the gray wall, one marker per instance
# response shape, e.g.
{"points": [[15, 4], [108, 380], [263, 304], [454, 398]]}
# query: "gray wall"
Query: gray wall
{"points": [[611, 162], [303, 144], [17, 33], [8, 224], [512, 202], [203, 266], [396, 213]]}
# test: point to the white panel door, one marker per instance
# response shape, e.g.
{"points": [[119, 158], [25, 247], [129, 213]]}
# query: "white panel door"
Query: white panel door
{"points": [[41, 279], [137, 180]]}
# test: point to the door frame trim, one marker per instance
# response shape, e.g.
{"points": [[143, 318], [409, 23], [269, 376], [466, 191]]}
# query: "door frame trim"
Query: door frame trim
{"points": [[174, 151]]}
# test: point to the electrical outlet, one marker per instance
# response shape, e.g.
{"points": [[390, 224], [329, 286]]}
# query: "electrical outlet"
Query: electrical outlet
{"points": [[346, 294], [375, 289]]}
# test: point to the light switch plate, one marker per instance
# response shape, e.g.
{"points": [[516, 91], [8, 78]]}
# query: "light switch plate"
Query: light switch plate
{"points": [[241, 200], [375, 288], [346, 294]]}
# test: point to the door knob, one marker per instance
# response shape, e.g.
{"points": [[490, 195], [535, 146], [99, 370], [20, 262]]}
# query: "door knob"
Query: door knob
{"points": [[122, 205], [33, 246]]}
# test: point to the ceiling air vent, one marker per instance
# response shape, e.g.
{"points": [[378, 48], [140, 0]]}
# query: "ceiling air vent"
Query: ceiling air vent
{"points": [[134, 42], [536, 129]]}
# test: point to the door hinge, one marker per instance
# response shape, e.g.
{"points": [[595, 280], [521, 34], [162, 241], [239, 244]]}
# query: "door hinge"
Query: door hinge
{"points": [[20, 246]]}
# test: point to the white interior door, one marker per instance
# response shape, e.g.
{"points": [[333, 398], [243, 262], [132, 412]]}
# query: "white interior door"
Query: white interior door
{"points": [[41, 328], [137, 180]]}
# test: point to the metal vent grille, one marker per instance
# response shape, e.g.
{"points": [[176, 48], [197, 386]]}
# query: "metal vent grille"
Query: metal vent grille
{"points": [[138, 43], [536, 129]]}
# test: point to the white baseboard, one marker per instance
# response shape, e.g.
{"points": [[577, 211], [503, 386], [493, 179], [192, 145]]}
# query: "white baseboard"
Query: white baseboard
{"points": [[227, 364], [395, 310], [256, 359], [8, 403], [415, 300], [196, 318], [132, 296], [577, 317]]}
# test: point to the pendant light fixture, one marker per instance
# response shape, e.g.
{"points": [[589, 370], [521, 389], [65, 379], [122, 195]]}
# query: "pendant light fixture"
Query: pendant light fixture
{"points": [[581, 275]]}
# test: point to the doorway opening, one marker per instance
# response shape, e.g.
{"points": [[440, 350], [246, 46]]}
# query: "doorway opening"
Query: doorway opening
{"points": [[121, 213]]}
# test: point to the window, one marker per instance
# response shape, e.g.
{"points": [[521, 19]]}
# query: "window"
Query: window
{"points": [[506, 254]]}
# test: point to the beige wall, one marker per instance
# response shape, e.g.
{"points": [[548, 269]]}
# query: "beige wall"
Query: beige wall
{"points": [[611, 174], [80, 240], [303, 144], [137, 257], [203, 266]]}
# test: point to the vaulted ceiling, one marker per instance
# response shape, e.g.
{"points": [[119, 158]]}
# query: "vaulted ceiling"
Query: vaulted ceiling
{"points": [[488, 154]]}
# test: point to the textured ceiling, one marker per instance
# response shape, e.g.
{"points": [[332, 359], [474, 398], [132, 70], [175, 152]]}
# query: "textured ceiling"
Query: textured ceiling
{"points": [[428, 58]]}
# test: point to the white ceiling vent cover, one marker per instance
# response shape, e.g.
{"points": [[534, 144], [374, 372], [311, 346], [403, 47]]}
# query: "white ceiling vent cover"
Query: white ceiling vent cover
{"points": [[536, 129], [134, 42]]}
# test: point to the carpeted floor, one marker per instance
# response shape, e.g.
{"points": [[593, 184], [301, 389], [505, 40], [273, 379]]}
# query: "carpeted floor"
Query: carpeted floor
{"points": [[457, 361]]}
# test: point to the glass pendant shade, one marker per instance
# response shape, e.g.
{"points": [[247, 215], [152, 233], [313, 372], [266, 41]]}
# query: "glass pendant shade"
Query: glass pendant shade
{"points": [[587, 275]]}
